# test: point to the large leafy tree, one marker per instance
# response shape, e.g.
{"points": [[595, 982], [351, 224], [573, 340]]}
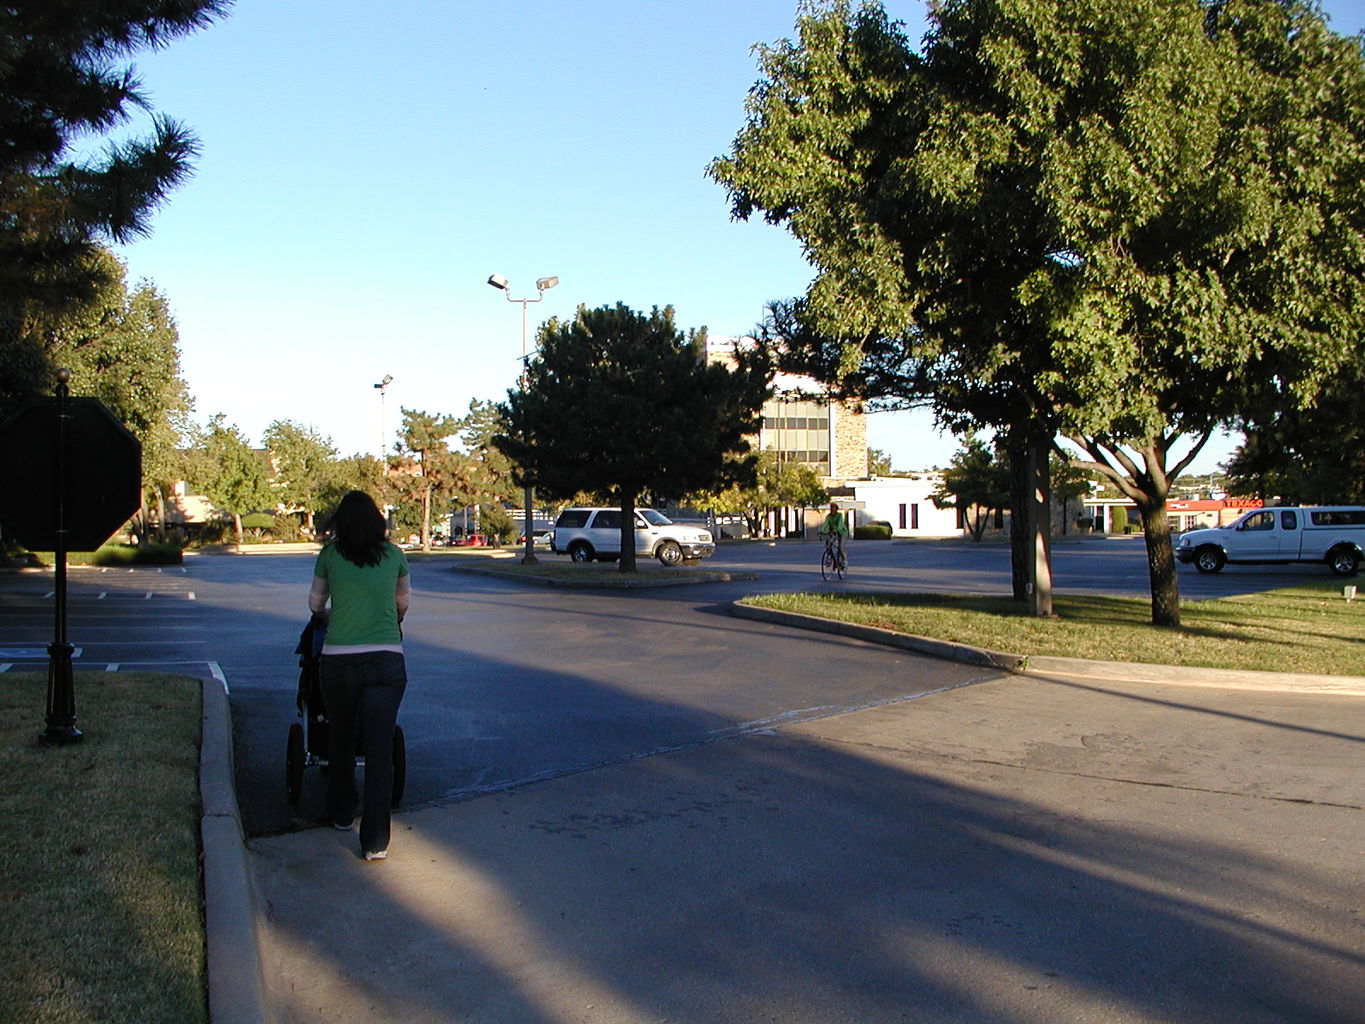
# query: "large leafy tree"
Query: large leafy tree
{"points": [[1113, 219], [62, 82], [358, 472], [1307, 456], [625, 402], [235, 475], [304, 465]]}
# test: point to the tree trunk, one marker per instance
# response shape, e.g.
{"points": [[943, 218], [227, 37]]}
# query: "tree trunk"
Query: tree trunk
{"points": [[1019, 574], [1038, 528], [237, 528], [426, 518], [1156, 531], [627, 563], [1031, 524], [161, 514]]}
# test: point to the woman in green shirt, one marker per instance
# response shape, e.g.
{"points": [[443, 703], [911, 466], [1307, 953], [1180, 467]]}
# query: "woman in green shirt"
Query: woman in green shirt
{"points": [[361, 590]]}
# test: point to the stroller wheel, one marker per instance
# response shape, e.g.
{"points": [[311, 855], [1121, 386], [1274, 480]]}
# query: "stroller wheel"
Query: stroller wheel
{"points": [[293, 764], [400, 765]]}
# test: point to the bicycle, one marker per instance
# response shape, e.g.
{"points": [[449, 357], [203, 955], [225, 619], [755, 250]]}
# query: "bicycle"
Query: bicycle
{"points": [[833, 562]]}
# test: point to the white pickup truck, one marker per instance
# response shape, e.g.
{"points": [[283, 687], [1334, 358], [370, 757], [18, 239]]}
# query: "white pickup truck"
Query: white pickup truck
{"points": [[1334, 534]]}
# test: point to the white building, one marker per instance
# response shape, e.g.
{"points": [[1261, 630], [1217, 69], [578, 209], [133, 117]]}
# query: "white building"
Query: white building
{"points": [[902, 501]]}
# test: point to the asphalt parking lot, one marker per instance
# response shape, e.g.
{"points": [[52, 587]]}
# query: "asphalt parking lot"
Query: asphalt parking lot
{"points": [[636, 808]]}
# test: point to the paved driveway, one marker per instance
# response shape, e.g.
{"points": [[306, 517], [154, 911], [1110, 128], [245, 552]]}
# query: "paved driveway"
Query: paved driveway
{"points": [[1016, 851]]}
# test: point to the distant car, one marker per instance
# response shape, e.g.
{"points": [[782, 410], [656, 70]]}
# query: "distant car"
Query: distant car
{"points": [[539, 539], [587, 533]]}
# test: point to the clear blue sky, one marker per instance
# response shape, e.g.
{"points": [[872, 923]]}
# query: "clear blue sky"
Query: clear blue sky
{"points": [[366, 166]]}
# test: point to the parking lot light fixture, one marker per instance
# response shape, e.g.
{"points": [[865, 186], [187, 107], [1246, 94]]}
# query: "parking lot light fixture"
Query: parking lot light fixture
{"points": [[543, 284]]}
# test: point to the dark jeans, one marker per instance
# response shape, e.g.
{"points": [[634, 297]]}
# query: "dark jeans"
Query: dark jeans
{"points": [[361, 693]]}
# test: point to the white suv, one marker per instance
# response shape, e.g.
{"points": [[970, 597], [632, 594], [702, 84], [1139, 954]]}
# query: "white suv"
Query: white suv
{"points": [[587, 533]]}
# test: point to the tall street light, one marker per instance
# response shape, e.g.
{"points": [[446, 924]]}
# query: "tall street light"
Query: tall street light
{"points": [[383, 387], [542, 285]]}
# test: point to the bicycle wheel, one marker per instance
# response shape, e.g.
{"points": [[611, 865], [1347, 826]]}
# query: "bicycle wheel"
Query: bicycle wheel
{"points": [[841, 564], [827, 568]]}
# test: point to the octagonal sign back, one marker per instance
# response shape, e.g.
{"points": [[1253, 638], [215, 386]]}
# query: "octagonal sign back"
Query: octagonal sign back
{"points": [[101, 472]]}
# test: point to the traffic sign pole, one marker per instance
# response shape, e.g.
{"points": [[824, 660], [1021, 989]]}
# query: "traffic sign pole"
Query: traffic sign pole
{"points": [[61, 685], [73, 475]]}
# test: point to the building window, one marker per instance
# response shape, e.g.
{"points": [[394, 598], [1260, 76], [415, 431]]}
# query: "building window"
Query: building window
{"points": [[798, 431], [914, 516], [902, 515]]}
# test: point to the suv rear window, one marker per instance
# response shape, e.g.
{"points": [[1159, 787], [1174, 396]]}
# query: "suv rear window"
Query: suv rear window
{"points": [[573, 518]]}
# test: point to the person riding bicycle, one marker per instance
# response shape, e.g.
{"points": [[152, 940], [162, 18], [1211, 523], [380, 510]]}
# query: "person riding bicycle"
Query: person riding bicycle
{"points": [[835, 529]]}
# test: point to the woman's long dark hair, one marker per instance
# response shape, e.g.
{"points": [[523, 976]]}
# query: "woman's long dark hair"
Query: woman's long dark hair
{"points": [[358, 529]]}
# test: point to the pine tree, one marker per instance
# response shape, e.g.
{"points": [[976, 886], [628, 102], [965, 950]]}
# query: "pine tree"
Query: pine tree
{"points": [[61, 83], [622, 402]]}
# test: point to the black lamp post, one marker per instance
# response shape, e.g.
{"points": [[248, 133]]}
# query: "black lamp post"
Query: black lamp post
{"points": [[542, 285]]}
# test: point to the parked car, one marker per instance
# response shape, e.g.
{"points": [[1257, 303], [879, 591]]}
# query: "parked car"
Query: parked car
{"points": [[587, 533], [1266, 536], [539, 539]]}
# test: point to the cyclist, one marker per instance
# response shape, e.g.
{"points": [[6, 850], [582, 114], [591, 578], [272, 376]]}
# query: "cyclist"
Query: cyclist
{"points": [[834, 529]]}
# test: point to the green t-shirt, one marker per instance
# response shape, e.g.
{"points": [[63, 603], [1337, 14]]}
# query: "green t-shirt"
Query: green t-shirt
{"points": [[836, 523], [363, 608]]}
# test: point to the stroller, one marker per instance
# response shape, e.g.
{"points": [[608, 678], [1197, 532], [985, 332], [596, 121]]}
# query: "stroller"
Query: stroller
{"points": [[307, 745]]}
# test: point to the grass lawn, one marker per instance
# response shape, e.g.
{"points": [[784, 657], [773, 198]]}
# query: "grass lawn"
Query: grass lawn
{"points": [[99, 870], [1308, 629]]}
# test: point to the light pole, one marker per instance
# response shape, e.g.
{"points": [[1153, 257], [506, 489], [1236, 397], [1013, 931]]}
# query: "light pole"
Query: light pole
{"points": [[542, 285], [383, 387]]}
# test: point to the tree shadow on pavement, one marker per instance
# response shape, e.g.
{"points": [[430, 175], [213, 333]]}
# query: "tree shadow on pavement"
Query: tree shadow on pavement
{"points": [[820, 875]]}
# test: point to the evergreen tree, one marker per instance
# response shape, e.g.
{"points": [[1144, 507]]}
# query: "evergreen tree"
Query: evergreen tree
{"points": [[62, 82], [624, 402], [428, 471]]}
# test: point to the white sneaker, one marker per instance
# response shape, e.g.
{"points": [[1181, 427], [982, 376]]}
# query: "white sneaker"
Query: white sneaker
{"points": [[376, 854]]}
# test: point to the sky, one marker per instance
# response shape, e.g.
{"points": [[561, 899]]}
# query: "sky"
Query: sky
{"points": [[366, 166]]}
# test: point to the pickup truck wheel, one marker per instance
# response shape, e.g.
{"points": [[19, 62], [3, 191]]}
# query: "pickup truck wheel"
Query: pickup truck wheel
{"points": [[580, 551], [1209, 559], [669, 553], [1344, 561]]}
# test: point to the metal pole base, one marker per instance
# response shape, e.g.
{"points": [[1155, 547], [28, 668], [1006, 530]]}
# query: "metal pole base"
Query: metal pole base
{"points": [[61, 728], [528, 529]]}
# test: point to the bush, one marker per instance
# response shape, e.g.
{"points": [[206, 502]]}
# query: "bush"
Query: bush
{"points": [[121, 554], [1118, 522], [872, 531], [287, 529]]}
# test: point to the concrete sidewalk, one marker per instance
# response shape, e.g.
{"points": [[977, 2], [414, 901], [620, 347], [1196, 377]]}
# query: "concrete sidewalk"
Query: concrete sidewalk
{"points": [[1023, 849]]}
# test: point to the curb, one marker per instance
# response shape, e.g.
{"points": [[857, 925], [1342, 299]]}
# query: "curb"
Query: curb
{"points": [[888, 637], [236, 990], [1044, 665]]}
